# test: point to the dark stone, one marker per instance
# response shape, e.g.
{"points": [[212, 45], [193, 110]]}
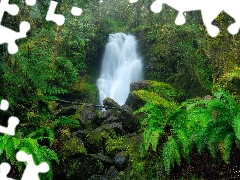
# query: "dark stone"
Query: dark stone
{"points": [[97, 177], [110, 115], [113, 174], [134, 101], [110, 104], [140, 85], [120, 161], [102, 158], [78, 167], [68, 110], [130, 124], [89, 116]]}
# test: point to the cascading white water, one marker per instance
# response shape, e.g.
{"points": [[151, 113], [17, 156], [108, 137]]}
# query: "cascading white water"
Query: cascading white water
{"points": [[120, 67]]}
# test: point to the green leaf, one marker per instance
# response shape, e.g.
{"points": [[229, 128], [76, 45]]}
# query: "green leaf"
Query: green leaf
{"points": [[236, 126]]}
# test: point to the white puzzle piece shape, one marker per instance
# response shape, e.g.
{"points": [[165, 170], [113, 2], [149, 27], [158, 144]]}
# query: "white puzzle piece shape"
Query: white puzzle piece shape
{"points": [[9, 36], [51, 16], [4, 105], [12, 123], [209, 9], [76, 11], [31, 171], [12, 9], [4, 170], [30, 2]]}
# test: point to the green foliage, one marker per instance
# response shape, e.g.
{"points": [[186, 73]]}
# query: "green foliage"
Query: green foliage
{"points": [[65, 121], [153, 124], [170, 153], [10, 145], [155, 99], [211, 124], [130, 144], [69, 145]]}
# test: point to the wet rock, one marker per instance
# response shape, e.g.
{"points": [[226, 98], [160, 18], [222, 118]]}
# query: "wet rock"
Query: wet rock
{"points": [[110, 104], [97, 177], [129, 122], [110, 115], [69, 145], [113, 174], [207, 97], [102, 158], [81, 167], [140, 85], [89, 116], [116, 126], [134, 101], [120, 161]]}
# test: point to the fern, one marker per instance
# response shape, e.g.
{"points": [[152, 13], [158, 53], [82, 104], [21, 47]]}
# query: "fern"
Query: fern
{"points": [[183, 140], [225, 146], [9, 146], [151, 136], [170, 153], [211, 124], [66, 121], [153, 124], [43, 133], [236, 126], [206, 124]]}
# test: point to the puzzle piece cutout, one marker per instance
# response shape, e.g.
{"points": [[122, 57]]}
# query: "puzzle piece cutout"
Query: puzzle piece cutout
{"points": [[51, 16], [31, 2], [31, 171], [12, 9], [59, 18], [76, 11], [4, 105], [7, 35], [209, 9], [12, 121], [4, 170]]}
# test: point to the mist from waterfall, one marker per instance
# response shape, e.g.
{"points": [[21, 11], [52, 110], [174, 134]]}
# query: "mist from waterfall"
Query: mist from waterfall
{"points": [[121, 65]]}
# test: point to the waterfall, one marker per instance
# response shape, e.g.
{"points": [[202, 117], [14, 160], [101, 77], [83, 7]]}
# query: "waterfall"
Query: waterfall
{"points": [[121, 65]]}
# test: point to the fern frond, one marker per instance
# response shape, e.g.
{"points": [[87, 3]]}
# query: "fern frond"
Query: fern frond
{"points": [[227, 99], [43, 133], [185, 143], [178, 118], [151, 135], [236, 126], [170, 153], [225, 147]]}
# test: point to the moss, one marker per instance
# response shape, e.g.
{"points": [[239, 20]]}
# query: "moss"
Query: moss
{"points": [[163, 89], [94, 141], [79, 110], [130, 144], [86, 91], [69, 145], [155, 98], [82, 167]]}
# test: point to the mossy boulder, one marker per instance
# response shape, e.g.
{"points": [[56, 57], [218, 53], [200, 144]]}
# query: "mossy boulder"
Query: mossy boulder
{"points": [[88, 116], [130, 145], [159, 93], [120, 161], [110, 104], [161, 88], [69, 145], [82, 167]]}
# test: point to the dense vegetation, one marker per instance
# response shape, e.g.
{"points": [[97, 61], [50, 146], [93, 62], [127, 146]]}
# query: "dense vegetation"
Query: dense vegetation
{"points": [[191, 111]]}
